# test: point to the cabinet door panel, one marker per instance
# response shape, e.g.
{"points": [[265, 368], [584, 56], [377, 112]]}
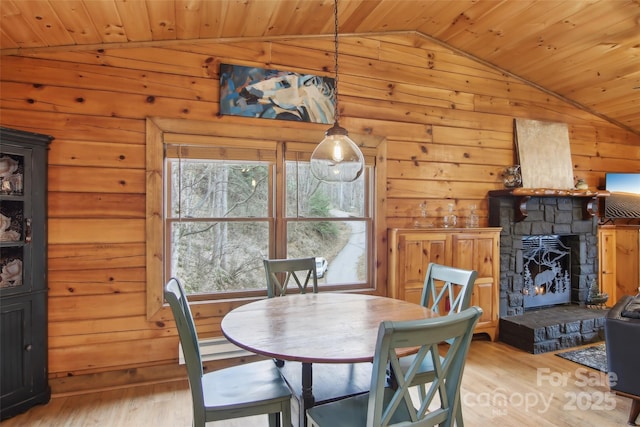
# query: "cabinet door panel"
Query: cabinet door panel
{"points": [[607, 263], [627, 261], [414, 253], [484, 265], [412, 270], [15, 327], [16, 218], [475, 252], [483, 297], [464, 252], [434, 251]]}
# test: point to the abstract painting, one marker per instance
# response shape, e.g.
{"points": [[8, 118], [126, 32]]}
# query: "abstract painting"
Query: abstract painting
{"points": [[273, 94]]}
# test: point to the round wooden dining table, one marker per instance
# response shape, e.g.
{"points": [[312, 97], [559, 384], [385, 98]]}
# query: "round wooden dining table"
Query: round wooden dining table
{"points": [[316, 328]]}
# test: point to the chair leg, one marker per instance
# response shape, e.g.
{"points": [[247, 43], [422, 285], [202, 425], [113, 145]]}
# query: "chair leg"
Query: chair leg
{"points": [[634, 412], [198, 421], [459, 420], [286, 416], [274, 420], [422, 391], [281, 419]]}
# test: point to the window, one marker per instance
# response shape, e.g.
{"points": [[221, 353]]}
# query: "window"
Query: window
{"points": [[226, 203], [217, 223], [223, 217]]}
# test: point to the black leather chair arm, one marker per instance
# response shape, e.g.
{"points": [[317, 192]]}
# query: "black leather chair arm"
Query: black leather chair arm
{"points": [[622, 337]]}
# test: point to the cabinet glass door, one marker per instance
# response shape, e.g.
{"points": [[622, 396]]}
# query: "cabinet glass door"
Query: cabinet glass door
{"points": [[15, 220]]}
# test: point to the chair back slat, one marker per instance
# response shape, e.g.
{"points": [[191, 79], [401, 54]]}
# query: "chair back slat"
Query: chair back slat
{"points": [[447, 289], [279, 273], [387, 406]]}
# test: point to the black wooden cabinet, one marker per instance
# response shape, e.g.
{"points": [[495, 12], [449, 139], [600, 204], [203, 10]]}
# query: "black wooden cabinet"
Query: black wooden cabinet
{"points": [[23, 271]]}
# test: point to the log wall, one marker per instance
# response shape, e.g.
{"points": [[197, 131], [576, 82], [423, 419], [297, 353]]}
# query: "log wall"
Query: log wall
{"points": [[447, 121]]}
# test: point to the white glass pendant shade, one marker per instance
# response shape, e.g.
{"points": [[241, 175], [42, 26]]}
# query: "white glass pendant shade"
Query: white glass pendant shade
{"points": [[337, 158]]}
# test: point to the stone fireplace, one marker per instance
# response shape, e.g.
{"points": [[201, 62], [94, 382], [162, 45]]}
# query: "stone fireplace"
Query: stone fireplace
{"points": [[548, 260]]}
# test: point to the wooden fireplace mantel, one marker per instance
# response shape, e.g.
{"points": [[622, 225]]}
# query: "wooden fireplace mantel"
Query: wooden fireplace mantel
{"points": [[523, 195]]}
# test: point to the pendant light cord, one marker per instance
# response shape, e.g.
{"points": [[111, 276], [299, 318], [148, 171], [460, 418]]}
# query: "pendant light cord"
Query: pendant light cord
{"points": [[180, 184], [336, 112]]}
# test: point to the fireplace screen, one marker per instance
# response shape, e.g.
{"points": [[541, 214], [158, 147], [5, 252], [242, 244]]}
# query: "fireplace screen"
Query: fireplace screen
{"points": [[546, 271]]}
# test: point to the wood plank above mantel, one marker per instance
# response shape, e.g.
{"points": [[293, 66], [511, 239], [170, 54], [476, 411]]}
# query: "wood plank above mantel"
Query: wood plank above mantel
{"points": [[523, 195], [547, 192]]}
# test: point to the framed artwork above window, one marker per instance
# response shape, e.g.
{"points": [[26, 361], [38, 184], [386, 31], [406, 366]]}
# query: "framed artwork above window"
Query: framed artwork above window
{"points": [[274, 94]]}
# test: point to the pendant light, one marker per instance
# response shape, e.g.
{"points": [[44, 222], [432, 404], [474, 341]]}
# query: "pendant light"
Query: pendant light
{"points": [[337, 158]]}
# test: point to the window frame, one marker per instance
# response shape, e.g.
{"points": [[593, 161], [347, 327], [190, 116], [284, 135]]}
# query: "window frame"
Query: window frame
{"points": [[161, 132]]}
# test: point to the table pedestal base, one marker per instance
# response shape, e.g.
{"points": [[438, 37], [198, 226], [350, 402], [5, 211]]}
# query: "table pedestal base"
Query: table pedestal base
{"points": [[328, 382]]}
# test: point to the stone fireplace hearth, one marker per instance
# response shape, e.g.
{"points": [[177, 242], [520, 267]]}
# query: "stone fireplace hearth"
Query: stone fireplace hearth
{"points": [[527, 321]]}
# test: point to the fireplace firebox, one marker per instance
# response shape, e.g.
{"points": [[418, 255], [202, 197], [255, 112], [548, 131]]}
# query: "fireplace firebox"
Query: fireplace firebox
{"points": [[548, 258], [546, 270]]}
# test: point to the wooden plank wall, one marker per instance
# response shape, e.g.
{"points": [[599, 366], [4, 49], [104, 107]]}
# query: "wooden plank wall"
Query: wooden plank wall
{"points": [[447, 120]]}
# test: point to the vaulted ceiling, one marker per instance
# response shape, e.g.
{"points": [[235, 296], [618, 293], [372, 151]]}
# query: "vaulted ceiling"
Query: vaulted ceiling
{"points": [[586, 51]]}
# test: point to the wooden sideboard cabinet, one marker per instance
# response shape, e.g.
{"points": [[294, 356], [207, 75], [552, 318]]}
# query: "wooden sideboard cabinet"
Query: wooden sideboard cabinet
{"points": [[619, 261], [411, 251], [23, 271]]}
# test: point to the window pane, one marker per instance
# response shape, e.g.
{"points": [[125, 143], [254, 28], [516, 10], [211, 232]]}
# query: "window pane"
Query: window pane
{"points": [[217, 189], [219, 256], [308, 197], [342, 244]]}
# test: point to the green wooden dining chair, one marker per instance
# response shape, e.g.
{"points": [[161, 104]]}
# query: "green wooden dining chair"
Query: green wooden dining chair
{"points": [[280, 272], [331, 381], [387, 406], [239, 391], [447, 290]]}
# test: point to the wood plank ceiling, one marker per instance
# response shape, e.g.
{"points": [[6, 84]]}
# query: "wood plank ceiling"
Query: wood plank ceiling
{"points": [[586, 51]]}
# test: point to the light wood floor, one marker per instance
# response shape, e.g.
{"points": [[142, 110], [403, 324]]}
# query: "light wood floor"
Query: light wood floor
{"points": [[501, 386]]}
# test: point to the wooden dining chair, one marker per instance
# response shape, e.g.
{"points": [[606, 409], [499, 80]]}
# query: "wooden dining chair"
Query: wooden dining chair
{"points": [[386, 406], [447, 290], [239, 391], [280, 272], [330, 381]]}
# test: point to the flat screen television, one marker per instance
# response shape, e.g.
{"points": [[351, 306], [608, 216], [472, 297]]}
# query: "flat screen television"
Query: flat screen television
{"points": [[624, 201]]}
